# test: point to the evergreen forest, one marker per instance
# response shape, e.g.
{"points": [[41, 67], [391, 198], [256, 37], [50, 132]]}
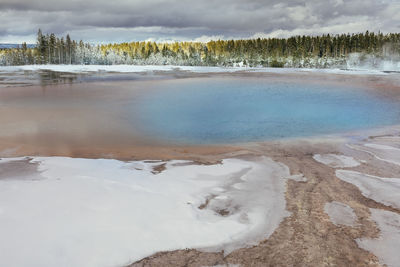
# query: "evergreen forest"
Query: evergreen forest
{"points": [[298, 51]]}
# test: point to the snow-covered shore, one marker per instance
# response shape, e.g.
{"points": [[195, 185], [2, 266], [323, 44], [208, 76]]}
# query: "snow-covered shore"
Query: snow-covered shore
{"points": [[98, 212], [380, 189], [169, 68]]}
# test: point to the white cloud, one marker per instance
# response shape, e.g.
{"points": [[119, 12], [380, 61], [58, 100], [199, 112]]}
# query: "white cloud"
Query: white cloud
{"points": [[206, 38], [123, 20]]}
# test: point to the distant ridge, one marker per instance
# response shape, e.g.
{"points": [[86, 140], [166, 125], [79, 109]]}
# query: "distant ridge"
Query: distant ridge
{"points": [[8, 46]]}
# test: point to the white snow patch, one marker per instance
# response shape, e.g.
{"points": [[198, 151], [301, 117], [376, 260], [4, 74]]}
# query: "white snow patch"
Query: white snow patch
{"points": [[390, 139], [297, 177], [225, 265], [386, 247], [6, 160], [383, 190], [385, 153], [253, 194], [119, 68], [98, 212], [196, 69], [340, 213], [336, 161], [382, 147]]}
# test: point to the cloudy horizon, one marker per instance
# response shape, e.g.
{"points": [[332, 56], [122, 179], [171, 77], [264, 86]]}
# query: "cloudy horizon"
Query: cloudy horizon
{"points": [[104, 21]]}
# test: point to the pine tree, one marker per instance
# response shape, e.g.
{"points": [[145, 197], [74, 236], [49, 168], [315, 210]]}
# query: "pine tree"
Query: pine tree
{"points": [[69, 49]]}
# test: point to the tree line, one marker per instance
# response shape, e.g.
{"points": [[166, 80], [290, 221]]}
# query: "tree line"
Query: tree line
{"points": [[297, 51]]}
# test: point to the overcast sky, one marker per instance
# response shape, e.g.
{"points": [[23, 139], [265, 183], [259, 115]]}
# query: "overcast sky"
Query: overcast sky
{"points": [[102, 21]]}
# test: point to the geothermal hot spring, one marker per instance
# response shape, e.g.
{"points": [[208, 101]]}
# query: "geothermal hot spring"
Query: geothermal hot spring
{"points": [[230, 110], [201, 110], [84, 210]]}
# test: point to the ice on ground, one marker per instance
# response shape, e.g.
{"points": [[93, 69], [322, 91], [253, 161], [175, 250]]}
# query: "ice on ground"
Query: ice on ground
{"points": [[385, 153], [253, 194], [340, 213], [98, 212], [6, 160], [225, 265], [382, 147], [386, 246], [388, 139], [120, 68], [383, 190], [297, 177], [336, 161], [197, 69]]}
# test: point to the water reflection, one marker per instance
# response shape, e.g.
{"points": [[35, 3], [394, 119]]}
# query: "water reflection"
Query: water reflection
{"points": [[42, 78], [46, 77]]}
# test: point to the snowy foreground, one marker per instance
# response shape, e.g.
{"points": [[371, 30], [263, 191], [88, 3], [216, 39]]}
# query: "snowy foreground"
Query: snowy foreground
{"points": [[169, 68], [380, 189], [58, 211]]}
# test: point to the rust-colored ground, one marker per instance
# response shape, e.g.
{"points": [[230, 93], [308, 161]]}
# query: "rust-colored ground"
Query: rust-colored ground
{"points": [[307, 237]]}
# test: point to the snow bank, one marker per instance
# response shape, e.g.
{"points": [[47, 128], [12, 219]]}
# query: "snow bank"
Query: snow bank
{"points": [[336, 161], [195, 69], [386, 247], [87, 212], [383, 190], [383, 147], [381, 152], [340, 213], [119, 68]]}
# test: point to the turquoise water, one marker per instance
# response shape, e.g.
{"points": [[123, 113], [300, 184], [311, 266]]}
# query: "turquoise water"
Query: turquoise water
{"points": [[229, 110]]}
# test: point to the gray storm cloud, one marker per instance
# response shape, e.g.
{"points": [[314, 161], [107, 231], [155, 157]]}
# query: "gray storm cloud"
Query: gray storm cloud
{"points": [[123, 20]]}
